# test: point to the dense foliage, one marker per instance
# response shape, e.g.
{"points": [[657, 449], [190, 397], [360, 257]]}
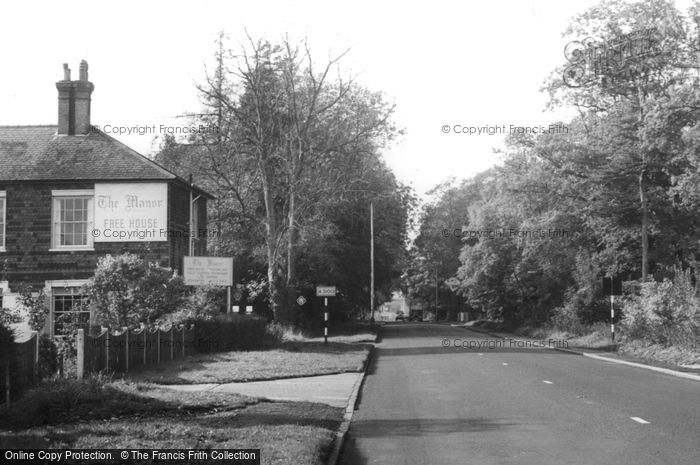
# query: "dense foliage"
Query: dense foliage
{"points": [[615, 194]]}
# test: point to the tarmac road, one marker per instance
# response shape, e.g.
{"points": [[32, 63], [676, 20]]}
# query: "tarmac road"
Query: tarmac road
{"points": [[423, 403]]}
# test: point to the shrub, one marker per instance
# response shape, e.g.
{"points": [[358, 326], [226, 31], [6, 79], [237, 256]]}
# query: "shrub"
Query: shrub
{"points": [[204, 303], [230, 332], [36, 306], [665, 313], [128, 291], [48, 357], [8, 361]]}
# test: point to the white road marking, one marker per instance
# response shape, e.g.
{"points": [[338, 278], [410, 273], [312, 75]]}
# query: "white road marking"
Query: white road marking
{"points": [[505, 364], [547, 382], [481, 354], [640, 420]]}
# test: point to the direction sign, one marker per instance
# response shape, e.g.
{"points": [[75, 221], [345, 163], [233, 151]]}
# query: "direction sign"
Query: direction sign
{"points": [[325, 291], [301, 300], [452, 283]]}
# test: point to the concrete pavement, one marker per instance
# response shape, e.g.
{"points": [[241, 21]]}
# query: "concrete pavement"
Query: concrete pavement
{"points": [[334, 390], [428, 402]]}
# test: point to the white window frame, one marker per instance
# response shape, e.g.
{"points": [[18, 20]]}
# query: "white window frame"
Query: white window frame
{"points": [[48, 291], [3, 218], [57, 195]]}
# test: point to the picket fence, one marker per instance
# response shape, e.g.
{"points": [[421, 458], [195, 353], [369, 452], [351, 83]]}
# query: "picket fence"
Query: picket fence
{"points": [[131, 348], [27, 356]]}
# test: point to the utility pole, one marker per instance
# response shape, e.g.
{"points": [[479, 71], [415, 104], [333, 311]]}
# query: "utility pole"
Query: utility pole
{"points": [[436, 293], [371, 253]]}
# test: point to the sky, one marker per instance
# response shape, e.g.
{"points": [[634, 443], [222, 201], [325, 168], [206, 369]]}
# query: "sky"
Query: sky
{"points": [[445, 64]]}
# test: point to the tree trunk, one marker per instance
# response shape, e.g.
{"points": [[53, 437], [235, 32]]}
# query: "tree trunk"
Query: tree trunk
{"points": [[270, 233]]}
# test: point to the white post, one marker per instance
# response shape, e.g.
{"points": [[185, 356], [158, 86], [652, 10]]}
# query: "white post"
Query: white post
{"points": [[80, 360], [325, 320], [612, 316]]}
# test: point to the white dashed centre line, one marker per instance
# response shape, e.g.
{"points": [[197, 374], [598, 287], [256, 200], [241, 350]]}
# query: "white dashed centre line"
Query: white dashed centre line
{"points": [[505, 364], [547, 382], [640, 420], [481, 354]]}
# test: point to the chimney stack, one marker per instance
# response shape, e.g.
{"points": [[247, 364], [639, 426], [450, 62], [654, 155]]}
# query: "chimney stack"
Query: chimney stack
{"points": [[74, 102]]}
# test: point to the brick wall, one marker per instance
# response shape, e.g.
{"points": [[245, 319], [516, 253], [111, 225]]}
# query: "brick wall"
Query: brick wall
{"points": [[28, 240]]}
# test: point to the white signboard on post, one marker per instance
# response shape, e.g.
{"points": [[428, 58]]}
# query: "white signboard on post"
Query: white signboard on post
{"points": [[325, 291], [208, 271], [131, 212]]}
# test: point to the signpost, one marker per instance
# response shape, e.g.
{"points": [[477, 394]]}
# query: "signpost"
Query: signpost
{"points": [[612, 286], [210, 271], [301, 300], [452, 283], [325, 292]]}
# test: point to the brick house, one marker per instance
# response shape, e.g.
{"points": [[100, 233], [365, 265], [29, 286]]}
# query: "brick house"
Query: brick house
{"points": [[70, 194]]}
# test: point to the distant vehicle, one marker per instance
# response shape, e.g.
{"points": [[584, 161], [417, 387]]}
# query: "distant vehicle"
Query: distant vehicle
{"points": [[417, 316], [400, 316]]}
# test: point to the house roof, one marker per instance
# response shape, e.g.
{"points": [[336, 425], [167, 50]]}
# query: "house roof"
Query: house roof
{"points": [[36, 153]]}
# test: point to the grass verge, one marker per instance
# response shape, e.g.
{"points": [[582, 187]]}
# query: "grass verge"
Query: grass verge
{"points": [[286, 360], [101, 414], [597, 338]]}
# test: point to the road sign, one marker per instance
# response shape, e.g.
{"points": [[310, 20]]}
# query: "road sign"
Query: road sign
{"points": [[452, 283], [237, 296], [325, 291], [301, 300]]}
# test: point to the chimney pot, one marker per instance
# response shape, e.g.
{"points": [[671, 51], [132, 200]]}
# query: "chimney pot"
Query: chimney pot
{"points": [[83, 71], [66, 72]]}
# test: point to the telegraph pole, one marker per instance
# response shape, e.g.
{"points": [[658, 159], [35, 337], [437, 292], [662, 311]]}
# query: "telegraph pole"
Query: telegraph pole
{"points": [[436, 293], [371, 253]]}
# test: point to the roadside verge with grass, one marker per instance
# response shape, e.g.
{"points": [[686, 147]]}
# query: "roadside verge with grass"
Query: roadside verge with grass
{"points": [[286, 360], [97, 414], [597, 340]]}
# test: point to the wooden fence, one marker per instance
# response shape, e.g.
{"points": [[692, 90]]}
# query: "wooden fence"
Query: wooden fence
{"points": [[132, 348], [25, 375]]}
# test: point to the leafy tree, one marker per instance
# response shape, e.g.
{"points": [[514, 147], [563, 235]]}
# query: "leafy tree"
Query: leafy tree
{"points": [[293, 141]]}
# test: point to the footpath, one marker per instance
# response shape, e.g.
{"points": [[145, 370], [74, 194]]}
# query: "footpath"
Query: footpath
{"points": [[339, 390]]}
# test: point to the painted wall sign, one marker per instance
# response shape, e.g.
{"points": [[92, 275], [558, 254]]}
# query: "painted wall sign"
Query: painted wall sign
{"points": [[131, 212]]}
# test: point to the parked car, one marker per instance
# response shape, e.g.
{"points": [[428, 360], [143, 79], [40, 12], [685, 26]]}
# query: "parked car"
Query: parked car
{"points": [[400, 316], [417, 316]]}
